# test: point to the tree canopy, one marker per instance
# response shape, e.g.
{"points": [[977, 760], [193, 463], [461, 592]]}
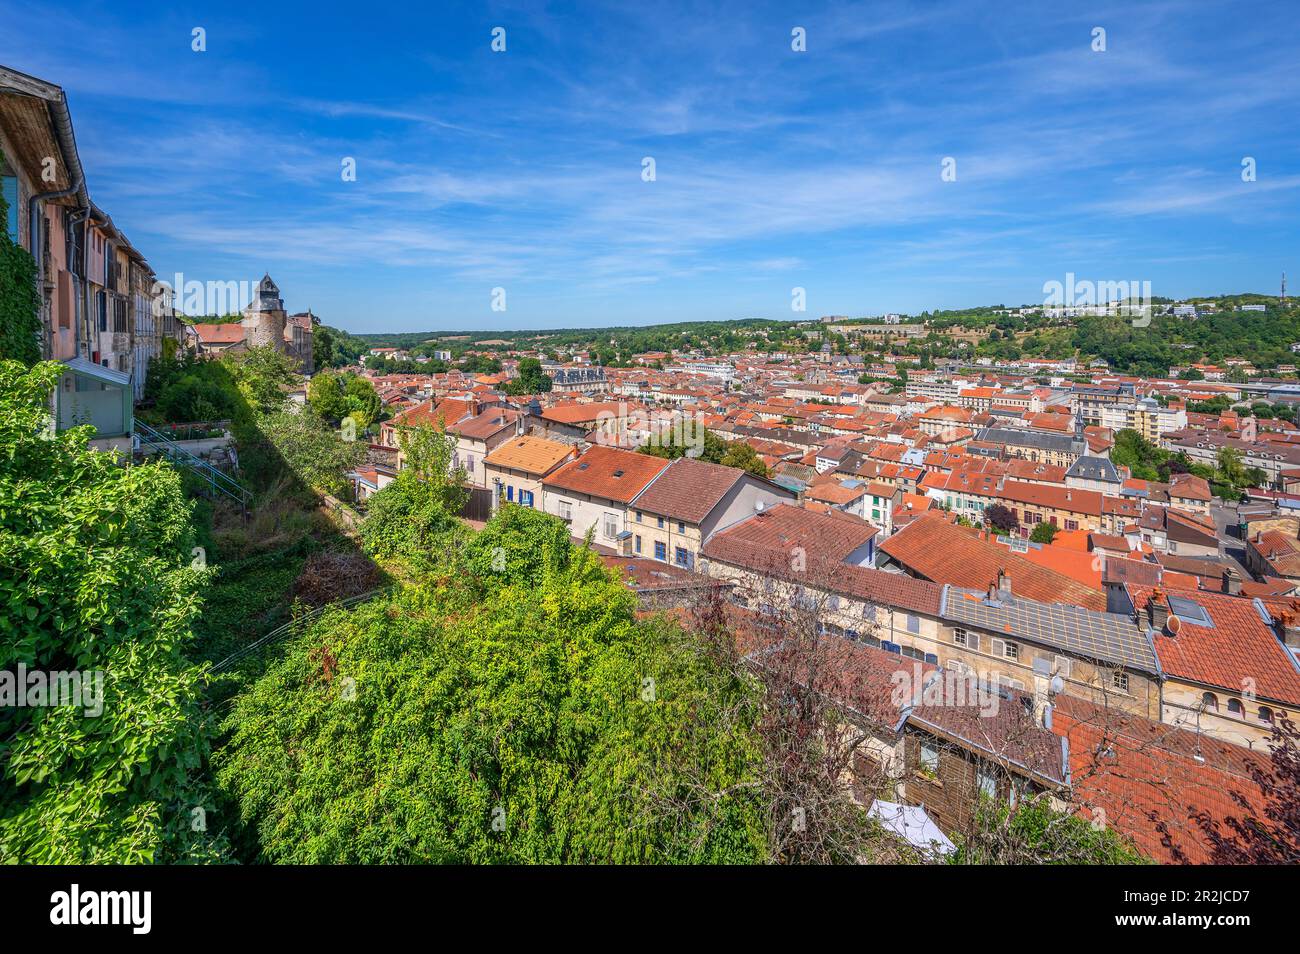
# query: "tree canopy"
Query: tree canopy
{"points": [[100, 577], [508, 707]]}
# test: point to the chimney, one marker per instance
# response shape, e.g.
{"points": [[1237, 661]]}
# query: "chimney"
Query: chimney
{"points": [[1004, 585], [1231, 581], [1288, 622], [1158, 609]]}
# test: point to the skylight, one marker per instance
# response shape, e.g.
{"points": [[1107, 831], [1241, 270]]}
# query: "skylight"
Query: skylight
{"points": [[1189, 610]]}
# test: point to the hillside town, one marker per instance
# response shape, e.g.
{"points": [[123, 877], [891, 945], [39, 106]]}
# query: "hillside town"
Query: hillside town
{"points": [[974, 520]]}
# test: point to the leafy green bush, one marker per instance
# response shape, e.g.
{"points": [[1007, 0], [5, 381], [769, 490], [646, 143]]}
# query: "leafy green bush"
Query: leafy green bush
{"points": [[1035, 834], [192, 398], [495, 721], [98, 576], [519, 545], [405, 518]]}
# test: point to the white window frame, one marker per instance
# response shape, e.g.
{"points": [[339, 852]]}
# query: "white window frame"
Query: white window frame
{"points": [[961, 636]]}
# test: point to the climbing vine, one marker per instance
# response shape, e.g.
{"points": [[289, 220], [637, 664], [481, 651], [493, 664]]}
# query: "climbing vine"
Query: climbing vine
{"points": [[20, 305]]}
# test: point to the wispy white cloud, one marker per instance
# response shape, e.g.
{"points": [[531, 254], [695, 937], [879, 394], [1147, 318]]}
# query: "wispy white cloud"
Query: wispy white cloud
{"points": [[525, 167]]}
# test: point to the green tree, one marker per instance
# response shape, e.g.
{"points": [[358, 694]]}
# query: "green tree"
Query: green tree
{"points": [[193, 397], [264, 377], [742, 455], [1138, 454], [322, 347], [511, 710], [326, 395], [99, 577], [1231, 466], [308, 448], [530, 380], [363, 402], [406, 517], [1043, 532]]}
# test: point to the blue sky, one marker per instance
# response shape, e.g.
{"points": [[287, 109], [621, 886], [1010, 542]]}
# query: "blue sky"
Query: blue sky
{"points": [[774, 168]]}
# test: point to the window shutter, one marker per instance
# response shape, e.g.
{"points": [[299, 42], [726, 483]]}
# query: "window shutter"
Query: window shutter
{"points": [[999, 646]]}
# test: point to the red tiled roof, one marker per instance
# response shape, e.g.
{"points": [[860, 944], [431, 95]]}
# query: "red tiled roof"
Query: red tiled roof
{"points": [[1144, 780], [230, 332], [608, 473], [586, 413], [833, 492], [1057, 498], [784, 527], [482, 426], [767, 543], [1239, 650], [689, 489], [938, 550], [449, 411]]}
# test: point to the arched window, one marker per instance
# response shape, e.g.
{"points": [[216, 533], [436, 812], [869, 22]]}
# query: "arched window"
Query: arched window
{"points": [[1234, 707], [1266, 714], [1210, 701]]}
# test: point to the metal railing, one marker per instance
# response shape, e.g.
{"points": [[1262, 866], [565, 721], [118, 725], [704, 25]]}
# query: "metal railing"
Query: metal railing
{"points": [[220, 482], [286, 629]]}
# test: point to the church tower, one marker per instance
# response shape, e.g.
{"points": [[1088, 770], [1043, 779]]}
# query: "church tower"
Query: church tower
{"points": [[264, 318]]}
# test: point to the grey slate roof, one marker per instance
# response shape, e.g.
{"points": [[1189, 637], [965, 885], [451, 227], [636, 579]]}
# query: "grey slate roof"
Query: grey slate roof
{"points": [[1061, 443], [1094, 468]]}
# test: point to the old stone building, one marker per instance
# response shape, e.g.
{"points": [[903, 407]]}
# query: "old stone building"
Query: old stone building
{"points": [[264, 322], [265, 318]]}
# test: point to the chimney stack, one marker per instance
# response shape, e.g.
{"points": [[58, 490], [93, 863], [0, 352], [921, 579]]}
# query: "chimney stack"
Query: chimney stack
{"points": [[1288, 622], [1158, 609], [1231, 581], [1004, 585]]}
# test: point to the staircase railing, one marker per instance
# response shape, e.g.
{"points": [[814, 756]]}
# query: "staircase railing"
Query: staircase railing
{"points": [[293, 627], [220, 482]]}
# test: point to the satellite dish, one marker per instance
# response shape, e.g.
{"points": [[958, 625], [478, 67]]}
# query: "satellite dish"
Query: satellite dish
{"points": [[1057, 685]]}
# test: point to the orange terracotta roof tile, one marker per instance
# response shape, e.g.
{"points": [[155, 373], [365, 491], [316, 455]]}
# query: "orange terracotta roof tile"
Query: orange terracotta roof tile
{"points": [[608, 473], [938, 550], [532, 455]]}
